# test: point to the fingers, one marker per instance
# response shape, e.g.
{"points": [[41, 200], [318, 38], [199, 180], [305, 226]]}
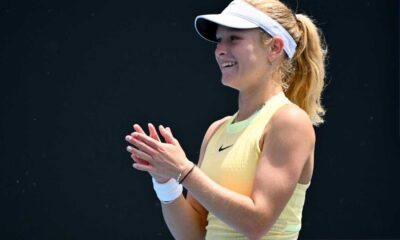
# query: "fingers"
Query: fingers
{"points": [[169, 130], [153, 132], [138, 128], [146, 143], [139, 156], [142, 167], [145, 146], [139, 160], [135, 157], [139, 144], [146, 149], [166, 134], [140, 163]]}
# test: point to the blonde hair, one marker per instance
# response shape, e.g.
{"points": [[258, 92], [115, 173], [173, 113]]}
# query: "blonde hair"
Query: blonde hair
{"points": [[303, 75]]}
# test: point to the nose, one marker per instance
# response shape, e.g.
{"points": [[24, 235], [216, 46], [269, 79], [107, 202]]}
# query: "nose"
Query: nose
{"points": [[220, 49]]}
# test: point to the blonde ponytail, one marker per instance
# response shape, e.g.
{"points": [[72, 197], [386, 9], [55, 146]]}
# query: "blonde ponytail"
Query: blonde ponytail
{"points": [[307, 82], [303, 76]]}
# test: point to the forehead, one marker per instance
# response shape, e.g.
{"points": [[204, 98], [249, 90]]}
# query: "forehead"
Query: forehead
{"points": [[221, 30]]}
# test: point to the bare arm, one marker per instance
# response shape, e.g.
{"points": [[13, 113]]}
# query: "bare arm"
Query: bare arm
{"points": [[287, 145], [185, 218]]}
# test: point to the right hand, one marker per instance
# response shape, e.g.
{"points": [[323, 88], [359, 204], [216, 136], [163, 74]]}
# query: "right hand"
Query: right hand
{"points": [[153, 134]]}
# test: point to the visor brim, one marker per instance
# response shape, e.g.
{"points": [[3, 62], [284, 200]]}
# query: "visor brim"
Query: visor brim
{"points": [[206, 25]]}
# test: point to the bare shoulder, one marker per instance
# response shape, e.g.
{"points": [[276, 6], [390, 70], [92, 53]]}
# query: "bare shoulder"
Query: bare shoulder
{"points": [[214, 126], [291, 116], [210, 132], [290, 122]]}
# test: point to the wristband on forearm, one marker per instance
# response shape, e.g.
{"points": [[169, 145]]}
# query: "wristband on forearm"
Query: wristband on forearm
{"points": [[169, 191]]}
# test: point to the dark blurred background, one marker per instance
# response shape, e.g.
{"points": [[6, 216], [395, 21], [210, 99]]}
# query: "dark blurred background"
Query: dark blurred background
{"points": [[75, 75]]}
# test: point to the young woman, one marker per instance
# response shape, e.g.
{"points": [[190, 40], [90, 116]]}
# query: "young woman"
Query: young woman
{"points": [[255, 166]]}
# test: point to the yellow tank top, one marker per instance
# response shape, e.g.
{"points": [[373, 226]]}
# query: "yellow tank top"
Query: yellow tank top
{"points": [[231, 159]]}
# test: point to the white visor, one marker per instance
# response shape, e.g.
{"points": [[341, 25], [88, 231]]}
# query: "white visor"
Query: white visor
{"points": [[241, 15]]}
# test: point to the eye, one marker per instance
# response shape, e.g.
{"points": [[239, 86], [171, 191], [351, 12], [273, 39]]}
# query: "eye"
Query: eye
{"points": [[233, 38], [218, 40]]}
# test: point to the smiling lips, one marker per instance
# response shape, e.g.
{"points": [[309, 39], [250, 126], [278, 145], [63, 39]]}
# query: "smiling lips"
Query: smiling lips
{"points": [[228, 64]]}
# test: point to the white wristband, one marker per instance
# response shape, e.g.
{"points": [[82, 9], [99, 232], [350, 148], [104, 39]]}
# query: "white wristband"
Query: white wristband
{"points": [[168, 191]]}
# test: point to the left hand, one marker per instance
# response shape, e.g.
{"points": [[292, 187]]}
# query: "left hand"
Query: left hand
{"points": [[164, 159], [153, 134]]}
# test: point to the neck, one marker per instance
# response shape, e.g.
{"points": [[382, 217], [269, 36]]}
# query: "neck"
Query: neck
{"points": [[252, 100]]}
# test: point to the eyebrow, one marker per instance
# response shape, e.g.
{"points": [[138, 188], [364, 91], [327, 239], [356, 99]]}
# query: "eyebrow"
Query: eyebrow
{"points": [[232, 31], [235, 29]]}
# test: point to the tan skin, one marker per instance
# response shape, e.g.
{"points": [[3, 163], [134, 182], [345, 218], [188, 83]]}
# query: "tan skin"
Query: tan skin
{"points": [[287, 146]]}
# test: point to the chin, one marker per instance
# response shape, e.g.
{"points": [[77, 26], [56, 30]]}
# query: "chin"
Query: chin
{"points": [[228, 82], [225, 81]]}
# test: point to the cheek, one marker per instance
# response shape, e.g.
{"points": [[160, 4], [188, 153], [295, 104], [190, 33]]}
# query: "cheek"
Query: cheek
{"points": [[254, 55], [250, 52], [254, 62], [256, 66], [253, 59]]}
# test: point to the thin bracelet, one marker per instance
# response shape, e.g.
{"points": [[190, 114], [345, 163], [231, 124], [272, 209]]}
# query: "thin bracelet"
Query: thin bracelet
{"points": [[187, 174]]}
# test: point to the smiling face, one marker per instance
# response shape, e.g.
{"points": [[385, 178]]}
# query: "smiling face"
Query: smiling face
{"points": [[242, 57]]}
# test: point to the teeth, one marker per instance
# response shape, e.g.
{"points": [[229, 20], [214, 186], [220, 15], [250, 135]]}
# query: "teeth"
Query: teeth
{"points": [[228, 64]]}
